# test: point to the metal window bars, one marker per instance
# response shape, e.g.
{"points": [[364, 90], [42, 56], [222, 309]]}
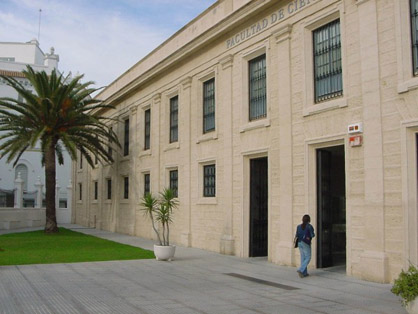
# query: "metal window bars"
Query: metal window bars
{"points": [[327, 62], [209, 106], [257, 88]]}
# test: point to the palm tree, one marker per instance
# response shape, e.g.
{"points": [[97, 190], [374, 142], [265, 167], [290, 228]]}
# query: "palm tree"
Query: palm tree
{"points": [[59, 114]]}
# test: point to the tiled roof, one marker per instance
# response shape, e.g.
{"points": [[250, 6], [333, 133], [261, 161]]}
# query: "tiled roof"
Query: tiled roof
{"points": [[11, 73]]}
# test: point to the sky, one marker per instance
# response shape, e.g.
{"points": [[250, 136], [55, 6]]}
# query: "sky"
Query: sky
{"points": [[98, 38]]}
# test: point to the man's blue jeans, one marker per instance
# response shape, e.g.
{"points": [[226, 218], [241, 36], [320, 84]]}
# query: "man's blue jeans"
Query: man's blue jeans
{"points": [[305, 257]]}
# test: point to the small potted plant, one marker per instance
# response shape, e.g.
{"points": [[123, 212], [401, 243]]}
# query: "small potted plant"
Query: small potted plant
{"points": [[160, 211], [406, 286]]}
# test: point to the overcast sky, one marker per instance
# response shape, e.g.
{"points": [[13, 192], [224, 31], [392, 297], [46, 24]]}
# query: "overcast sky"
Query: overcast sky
{"points": [[100, 38]]}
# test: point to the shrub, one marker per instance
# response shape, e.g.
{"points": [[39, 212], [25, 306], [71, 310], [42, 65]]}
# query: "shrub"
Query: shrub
{"points": [[406, 285]]}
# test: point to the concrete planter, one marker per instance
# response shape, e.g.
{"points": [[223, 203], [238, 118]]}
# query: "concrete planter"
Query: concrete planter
{"points": [[412, 307], [164, 252]]}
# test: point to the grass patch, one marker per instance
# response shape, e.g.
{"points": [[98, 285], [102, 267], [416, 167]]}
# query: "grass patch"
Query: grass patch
{"points": [[67, 246]]}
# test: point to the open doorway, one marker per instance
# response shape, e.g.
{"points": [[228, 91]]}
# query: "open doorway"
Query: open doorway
{"points": [[258, 207], [331, 207]]}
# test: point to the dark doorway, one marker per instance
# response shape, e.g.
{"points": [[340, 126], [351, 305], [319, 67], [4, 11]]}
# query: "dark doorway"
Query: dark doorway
{"points": [[258, 206], [331, 222]]}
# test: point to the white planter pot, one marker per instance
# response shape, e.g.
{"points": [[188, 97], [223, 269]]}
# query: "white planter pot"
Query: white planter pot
{"points": [[164, 252], [412, 307]]}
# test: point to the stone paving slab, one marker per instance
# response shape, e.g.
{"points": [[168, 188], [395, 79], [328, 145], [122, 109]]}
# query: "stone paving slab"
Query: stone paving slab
{"points": [[196, 281]]}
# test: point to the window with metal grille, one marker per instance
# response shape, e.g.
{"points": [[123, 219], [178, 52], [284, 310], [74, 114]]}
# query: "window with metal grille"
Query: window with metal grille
{"points": [[414, 33], [174, 111], [126, 188], [126, 139], [109, 189], [209, 181], [96, 190], [174, 181], [327, 62], [80, 191], [109, 148], [147, 188], [209, 106], [257, 88], [147, 132]]}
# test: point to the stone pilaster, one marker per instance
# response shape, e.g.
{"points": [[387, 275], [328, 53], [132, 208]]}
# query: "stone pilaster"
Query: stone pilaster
{"points": [[373, 261], [227, 245], [185, 139], [284, 249]]}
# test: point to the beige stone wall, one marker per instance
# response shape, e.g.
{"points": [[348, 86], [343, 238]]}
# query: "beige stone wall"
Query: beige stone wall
{"points": [[379, 91]]}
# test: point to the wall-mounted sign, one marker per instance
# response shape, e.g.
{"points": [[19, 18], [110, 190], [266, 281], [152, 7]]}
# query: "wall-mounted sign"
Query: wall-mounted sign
{"points": [[355, 128], [355, 141], [283, 13]]}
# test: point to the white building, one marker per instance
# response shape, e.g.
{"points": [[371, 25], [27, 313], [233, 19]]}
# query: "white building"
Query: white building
{"points": [[14, 57]]}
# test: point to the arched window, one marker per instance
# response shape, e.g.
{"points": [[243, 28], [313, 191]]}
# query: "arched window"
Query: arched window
{"points": [[23, 169]]}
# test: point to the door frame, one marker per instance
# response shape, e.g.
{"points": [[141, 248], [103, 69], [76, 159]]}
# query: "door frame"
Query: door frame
{"points": [[311, 200], [245, 230]]}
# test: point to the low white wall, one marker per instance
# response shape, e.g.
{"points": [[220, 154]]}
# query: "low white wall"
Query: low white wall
{"points": [[63, 215], [15, 218]]}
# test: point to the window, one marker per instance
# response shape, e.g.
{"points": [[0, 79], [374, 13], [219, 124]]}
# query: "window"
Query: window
{"points": [[147, 188], [209, 181], [126, 188], [80, 191], [96, 190], [126, 139], [109, 148], [7, 59], [81, 161], [23, 171], [327, 62], [109, 188], [257, 88], [174, 181], [209, 106], [414, 31], [174, 111], [147, 129]]}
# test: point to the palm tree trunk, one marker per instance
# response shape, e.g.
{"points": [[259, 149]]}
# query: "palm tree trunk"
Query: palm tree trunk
{"points": [[155, 229], [50, 184]]}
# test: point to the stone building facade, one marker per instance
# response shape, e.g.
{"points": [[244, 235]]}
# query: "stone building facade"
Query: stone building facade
{"points": [[258, 112]]}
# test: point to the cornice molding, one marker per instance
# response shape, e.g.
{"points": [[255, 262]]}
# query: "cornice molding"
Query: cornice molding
{"points": [[214, 32], [283, 33], [359, 2], [156, 98], [227, 61], [186, 82]]}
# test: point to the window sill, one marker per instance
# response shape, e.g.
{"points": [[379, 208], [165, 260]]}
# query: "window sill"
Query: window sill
{"points": [[107, 201], [125, 158], [263, 123], [145, 153], [407, 86], [325, 106], [207, 137], [95, 202], [172, 146], [207, 201]]}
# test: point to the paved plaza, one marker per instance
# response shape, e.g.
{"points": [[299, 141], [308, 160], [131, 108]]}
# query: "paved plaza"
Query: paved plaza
{"points": [[196, 281]]}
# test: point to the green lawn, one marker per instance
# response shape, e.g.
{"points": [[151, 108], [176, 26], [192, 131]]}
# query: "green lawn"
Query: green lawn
{"points": [[67, 246]]}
